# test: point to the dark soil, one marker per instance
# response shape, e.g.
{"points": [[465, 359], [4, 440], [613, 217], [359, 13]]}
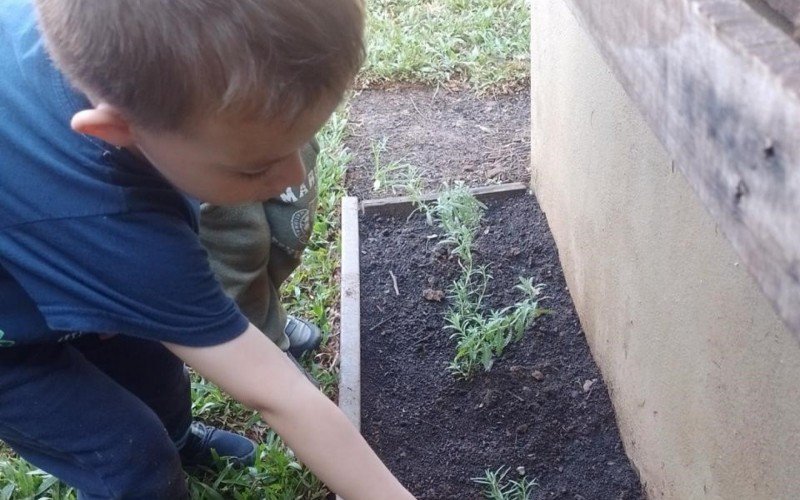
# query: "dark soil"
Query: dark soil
{"points": [[447, 135], [534, 410]]}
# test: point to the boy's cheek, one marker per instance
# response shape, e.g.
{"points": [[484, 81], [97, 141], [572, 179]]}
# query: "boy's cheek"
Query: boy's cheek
{"points": [[294, 173]]}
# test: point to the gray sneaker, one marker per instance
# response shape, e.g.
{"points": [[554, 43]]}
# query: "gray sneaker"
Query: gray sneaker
{"points": [[303, 336], [201, 439]]}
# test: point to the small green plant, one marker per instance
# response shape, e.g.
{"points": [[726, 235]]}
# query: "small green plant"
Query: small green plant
{"points": [[497, 487], [400, 178], [459, 213], [481, 336], [394, 176]]}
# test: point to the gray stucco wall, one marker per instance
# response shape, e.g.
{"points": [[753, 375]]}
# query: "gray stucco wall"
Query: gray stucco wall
{"points": [[704, 377]]}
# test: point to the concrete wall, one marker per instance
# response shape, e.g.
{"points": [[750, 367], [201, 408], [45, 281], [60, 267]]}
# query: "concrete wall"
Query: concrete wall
{"points": [[704, 377]]}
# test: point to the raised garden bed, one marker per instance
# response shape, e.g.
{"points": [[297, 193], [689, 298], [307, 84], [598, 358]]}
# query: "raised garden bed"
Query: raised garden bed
{"points": [[542, 411]]}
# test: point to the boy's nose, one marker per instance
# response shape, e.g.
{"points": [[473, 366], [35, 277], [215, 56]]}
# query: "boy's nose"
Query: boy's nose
{"points": [[294, 171]]}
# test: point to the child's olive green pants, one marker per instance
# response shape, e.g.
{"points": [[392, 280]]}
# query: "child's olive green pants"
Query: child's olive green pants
{"points": [[253, 248]]}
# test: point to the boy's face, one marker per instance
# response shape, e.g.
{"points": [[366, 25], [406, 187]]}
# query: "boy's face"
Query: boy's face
{"points": [[228, 163]]}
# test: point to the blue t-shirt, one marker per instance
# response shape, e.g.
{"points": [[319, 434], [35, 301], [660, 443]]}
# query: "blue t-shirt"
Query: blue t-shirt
{"points": [[91, 238]]}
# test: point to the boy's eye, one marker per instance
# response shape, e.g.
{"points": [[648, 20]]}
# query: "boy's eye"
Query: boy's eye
{"points": [[254, 175]]}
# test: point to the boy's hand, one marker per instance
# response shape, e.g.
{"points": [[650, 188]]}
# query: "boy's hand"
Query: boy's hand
{"points": [[255, 372]]}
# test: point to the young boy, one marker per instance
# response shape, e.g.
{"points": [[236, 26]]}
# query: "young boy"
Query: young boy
{"points": [[105, 290], [253, 248]]}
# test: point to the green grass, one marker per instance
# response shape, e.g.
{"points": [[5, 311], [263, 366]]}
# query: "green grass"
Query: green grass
{"points": [[484, 44], [275, 475], [393, 177], [313, 290], [19, 480]]}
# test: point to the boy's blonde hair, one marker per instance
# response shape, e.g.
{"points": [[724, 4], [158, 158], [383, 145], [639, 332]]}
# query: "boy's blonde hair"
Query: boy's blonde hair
{"points": [[167, 63]]}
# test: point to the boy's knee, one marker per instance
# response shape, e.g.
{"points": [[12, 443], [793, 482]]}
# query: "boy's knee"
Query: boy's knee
{"points": [[148, 467]]}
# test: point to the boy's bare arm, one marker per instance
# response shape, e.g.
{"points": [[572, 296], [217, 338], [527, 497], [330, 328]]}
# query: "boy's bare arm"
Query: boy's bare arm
{"points": [[255, 372]]}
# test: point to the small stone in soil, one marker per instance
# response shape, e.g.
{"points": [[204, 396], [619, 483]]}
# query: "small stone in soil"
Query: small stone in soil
{"points": [[588, 384], [490, 399], [433, 295], [538, 376], [496, 171]]}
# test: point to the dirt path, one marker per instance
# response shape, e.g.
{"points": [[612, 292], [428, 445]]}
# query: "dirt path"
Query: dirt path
{"points": [[447, 135]]}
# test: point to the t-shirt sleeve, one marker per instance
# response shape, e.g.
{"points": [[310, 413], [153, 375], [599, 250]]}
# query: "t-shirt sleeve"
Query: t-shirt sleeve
{"points": [[139, 274]]}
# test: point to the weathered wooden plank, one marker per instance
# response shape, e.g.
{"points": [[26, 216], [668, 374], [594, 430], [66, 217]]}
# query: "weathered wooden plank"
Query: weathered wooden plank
{"points": [[785, 14], [790, 9], [720, 87], [403, 205], [350, 336]]}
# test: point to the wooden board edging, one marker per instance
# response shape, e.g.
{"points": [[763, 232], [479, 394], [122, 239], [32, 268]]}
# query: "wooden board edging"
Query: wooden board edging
{"points": [[350, 316], [402, 205]]}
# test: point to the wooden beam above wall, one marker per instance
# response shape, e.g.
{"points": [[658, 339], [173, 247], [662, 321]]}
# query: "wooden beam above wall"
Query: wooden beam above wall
{"points": [[720, 87], [790, 9]]}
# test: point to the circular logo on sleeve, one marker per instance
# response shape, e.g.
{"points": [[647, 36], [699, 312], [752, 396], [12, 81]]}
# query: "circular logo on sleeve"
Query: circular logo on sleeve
{"points": [[301, 226]]}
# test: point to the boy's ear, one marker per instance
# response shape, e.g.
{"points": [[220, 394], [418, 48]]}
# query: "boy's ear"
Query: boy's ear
{"points": [[105, 123]]}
